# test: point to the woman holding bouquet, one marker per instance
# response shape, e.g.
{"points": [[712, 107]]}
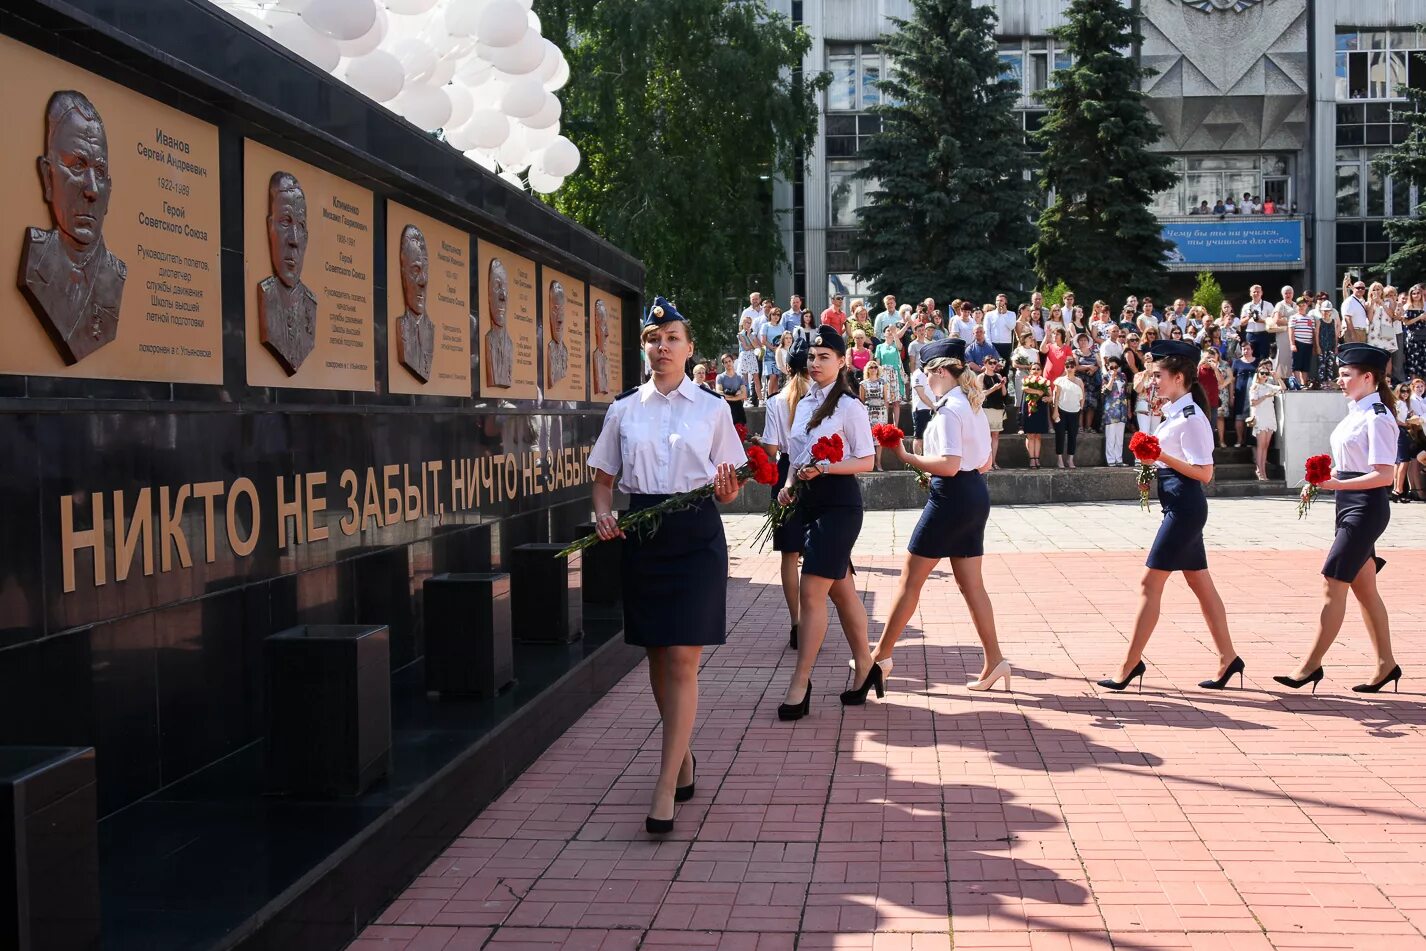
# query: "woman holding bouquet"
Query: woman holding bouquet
{"points": [[664, 437], [1183, 467], [787, 538], [1363, 456], [831, 502], [952, 524]]}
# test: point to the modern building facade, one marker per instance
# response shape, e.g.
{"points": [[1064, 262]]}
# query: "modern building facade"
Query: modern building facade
{"points": [[1285, 101]]}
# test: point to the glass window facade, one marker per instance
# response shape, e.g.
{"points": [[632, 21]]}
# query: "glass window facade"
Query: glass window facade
{"points": [[1212, 178], [856, 68], [1376, 64]]}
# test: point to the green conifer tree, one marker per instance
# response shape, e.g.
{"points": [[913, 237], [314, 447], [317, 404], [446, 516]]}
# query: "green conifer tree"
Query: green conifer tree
{"points": [[950, 214], [1099, 233]]}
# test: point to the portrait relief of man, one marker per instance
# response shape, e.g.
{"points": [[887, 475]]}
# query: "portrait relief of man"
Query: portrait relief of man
{"points": [[287, 308], [499, 354], [67, 274], [415, 331], [557, 353], [600, 359]]}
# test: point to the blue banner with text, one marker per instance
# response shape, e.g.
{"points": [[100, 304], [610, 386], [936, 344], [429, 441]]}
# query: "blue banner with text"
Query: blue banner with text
{"points": [[1252, 239]]}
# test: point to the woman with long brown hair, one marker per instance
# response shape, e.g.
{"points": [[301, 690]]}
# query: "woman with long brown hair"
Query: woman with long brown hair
{"points": [[1363, 458], [1184, 467], [787, 539]]}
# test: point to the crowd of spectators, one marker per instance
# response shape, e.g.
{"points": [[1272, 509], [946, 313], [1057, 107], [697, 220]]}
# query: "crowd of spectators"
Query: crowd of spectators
{"points": [[1063, 369]]}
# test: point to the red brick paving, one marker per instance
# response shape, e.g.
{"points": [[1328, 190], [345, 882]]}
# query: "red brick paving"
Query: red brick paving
{"points": [[1057, 817]]}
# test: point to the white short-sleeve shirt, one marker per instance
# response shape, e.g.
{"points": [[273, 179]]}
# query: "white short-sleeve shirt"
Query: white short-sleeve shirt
{"points": [[1257, 315], [659, 445], [849, 420], [775, 422], [958, 430], [1186, 433], [1365, 437], [920, 379]]}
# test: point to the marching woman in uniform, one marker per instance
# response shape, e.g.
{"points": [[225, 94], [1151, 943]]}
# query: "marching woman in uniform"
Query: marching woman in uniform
{"points": [[831, 504], [1184, 466], [1363, 453], [952, 524], [788, 538], [664, 437]]}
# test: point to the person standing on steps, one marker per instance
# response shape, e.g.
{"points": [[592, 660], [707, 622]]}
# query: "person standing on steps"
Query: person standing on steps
{"points": [[788, 538], [1184, 467], [831, 504], [1363, 459], [664, 437], [952, 524]]}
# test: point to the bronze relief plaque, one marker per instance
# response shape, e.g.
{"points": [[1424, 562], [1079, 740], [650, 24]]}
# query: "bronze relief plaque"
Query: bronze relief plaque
{"points": [[427, 305], [606, 356], [506, 324], [564, 341]]}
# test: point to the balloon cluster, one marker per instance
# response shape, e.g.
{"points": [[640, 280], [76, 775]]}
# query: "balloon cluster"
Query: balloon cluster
{"points": [[479, 71]]}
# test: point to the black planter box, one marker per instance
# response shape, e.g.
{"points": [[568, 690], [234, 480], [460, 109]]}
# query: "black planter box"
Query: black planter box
{"points": [[49, 849], [548, 598], [329, 709], [468, 634]]}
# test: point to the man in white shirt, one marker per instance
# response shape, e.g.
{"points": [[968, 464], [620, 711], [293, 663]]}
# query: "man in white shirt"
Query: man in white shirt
{"points": [[1354, 313], [1176, 316], [754, 310], [1283, 312], [1113, 345], [922, 399], [886, 318], [1254, 322], [1000, 328]]}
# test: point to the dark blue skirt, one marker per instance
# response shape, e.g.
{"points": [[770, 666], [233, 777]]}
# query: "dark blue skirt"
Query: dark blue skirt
{"points": [[1179, 543], [952, 524], [1361, 518], [676, 581], [832, 519], [791, 535]]}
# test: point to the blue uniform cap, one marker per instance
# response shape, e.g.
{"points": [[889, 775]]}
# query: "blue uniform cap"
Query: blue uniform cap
{"points": [[827, 336], [797, 356], [1175, 348], [953, 347], [662, 312], [1363, 355]]}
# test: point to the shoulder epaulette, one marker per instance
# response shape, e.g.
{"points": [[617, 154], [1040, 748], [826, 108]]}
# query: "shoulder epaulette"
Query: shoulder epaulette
{"points": [[629, 392], [1380, 409]]}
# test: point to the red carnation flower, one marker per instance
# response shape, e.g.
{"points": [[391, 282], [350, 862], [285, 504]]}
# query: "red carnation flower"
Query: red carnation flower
{"points": [[1319, 469], [828, 448], [887, 436], [741, 430], [1144, 447]]}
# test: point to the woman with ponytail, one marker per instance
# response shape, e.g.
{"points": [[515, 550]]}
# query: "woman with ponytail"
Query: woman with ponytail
{"points": [[1363, 457], [1184, 466], [787, 538], [952, 524], [831, 507]]}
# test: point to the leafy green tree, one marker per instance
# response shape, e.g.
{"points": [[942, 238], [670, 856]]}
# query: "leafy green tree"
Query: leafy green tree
{"points": [[1098, 233], [950, 213], [1405, 162], [1208, 294], [1056, 294], [683, 111]]}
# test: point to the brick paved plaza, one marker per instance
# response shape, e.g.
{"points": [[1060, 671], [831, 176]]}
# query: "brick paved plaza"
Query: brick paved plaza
{"points": [[1056, 816]]}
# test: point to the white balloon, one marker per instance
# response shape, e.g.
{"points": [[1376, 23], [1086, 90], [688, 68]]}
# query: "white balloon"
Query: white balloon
{"points": [[443, 73], [560, 157], [488, 95], [426, 107], [473, 71], [537, 139], [484, 158], [523, 99], [378, 74], [513, 179], [463, 17], [551, 62], [417, 58], [514, 156], [340, 19], [439, 39], [409, 7], [293, 33], [548, 114], [525, 56], [487, 128], [560, 77], [533, 18], [502, 23], [461, 138], [369, 40], [290, 6], [462, 105], [527, 4], [543, 182]]}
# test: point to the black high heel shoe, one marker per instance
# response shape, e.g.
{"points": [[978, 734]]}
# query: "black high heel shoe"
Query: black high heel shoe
{"points": [[657, 826], [1236, 667], [1313, 678], [685, 793], [792, 637], [1138, 672], [796, 711], [1392, 677], [874, 680]]}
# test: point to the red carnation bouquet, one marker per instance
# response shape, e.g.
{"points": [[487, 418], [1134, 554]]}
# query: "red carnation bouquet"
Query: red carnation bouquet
{"points": [[887, 436], [828, 449], [1145, 449], [645, 522], [1319, 470]]}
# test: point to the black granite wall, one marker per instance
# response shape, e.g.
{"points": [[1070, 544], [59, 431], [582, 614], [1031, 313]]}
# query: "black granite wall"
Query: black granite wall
{"points": [[160, 671]]}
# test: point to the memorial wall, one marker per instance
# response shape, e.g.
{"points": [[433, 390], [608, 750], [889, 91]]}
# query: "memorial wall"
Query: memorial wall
{"points": [[271, 356]]}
